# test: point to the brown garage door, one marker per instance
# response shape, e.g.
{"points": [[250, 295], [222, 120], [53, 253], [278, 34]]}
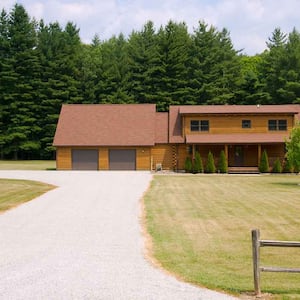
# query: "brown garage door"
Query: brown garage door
{"points": [[122, 159], [85, 159]]}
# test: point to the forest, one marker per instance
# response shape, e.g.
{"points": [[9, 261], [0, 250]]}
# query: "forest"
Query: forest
{"points": [[43, 66]]}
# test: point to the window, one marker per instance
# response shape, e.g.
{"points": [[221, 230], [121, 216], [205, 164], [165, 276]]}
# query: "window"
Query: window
{"points": [[246, 123], [278, 125], [199, 125]]}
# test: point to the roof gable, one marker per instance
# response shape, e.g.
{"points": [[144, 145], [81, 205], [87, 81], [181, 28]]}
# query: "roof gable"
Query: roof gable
{"points": [[106, 125]]}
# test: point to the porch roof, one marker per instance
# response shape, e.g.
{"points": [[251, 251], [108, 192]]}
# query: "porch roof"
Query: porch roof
{"points": [[237, 138]]}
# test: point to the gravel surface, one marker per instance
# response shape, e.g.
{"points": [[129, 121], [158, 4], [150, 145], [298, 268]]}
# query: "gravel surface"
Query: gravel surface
{"points": [[83, 241]]}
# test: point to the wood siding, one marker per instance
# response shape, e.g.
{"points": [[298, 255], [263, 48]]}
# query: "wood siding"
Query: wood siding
{"points": [[233, 124], [63, 158], [162, 154]]}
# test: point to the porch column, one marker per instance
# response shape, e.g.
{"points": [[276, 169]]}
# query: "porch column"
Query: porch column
{"points": [[194, 151], [259, 153], [226, 152]]}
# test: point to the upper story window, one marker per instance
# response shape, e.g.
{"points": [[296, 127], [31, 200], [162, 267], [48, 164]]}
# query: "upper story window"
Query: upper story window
{"points": [[199, 125], [246, 123], [277, 125]]}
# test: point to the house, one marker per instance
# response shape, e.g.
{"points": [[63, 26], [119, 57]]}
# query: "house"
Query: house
{"points": [[136, 137]]}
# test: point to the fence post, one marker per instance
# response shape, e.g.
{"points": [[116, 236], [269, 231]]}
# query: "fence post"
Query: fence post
{"points": [[256, 260]]}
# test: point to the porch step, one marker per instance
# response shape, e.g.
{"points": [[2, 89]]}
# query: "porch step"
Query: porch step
{"points": [[243, 170]]}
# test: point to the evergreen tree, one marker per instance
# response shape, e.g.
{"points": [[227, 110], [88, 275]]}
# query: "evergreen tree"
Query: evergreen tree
{"points": [[145, 65], [112, 84], [222, 163], [215, 66], [174, 44], [277, 168], [264, 163], [210, 163], [198, 165], [188, 165], [20, 75]]}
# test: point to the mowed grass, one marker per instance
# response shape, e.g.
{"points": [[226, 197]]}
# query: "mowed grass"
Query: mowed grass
{"points": [[27, 164], [201, 229], [15, 192]]}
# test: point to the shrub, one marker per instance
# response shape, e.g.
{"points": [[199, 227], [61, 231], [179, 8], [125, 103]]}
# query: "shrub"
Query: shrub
{"points": [[210, 164], [287, 167], [222, 164], [264, 163], [277, 168], [188, 165], [198, 165]]}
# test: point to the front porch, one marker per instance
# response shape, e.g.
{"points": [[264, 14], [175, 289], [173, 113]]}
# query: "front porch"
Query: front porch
{"points": [[241, 158]]}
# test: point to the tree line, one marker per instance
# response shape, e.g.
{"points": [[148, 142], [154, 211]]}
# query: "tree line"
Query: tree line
{"points": [[43, 66]]}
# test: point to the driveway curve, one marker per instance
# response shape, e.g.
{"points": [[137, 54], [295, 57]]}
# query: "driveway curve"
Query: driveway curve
{"points": [[83, 241]]}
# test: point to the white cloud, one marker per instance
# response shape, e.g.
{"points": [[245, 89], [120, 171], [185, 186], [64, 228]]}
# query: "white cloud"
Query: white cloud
{"points": [[250, 22]]}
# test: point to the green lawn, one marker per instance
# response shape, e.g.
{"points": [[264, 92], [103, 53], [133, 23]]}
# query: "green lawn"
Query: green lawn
{"points": [[15, 192], [201, 229], [27, 164]]}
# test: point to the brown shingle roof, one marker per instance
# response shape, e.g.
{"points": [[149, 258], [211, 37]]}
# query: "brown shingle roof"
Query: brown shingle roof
{"points": [[237, 138], [161, 128], [106, 125], [239, 109]]}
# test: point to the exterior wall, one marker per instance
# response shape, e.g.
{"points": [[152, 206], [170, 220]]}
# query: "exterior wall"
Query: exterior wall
{"points": [[63, 158], [233, 124], [274, 152], [182, 153], [162, 154], [143, 158], [250, 155]]}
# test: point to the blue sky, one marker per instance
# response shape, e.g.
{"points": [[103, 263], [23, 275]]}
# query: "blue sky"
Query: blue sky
{"points": [[250, 22]]}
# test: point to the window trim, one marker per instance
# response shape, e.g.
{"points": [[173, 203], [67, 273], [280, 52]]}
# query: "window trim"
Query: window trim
{"points": [[246, 124], [199, 125], [277, 125]]}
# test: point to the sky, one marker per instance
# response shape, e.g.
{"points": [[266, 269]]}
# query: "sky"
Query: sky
{"points": [[250, 22]]}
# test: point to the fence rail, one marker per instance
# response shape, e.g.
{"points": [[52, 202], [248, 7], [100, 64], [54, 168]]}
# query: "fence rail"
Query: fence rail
{"points": [[256, 244]]}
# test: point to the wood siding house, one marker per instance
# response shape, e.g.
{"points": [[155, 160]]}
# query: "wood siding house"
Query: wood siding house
{"points": [[136, 137]]}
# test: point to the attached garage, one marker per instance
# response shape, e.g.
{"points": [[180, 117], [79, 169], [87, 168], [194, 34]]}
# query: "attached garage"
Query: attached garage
{"points": [[122, 159], [85, 159]]}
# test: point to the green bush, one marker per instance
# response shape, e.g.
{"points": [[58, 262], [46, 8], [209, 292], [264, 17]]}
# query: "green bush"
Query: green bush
{"points": [[287, 167], [210, 164], [222, 163], [198, 165], [188, 165], [277, 168], [264, 163]]}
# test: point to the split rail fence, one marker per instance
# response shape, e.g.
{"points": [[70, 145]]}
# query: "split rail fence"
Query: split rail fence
{"points": [[256, 244]]}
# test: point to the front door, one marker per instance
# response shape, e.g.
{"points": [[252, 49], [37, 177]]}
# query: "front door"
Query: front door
{"points": [[238, 156]]}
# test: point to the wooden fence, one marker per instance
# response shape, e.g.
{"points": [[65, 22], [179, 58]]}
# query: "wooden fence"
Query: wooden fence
{"points": [[256, 244]]}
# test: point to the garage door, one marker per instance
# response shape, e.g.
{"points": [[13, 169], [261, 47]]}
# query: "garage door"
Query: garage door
{"points": [[122, 159], [85, 159]]}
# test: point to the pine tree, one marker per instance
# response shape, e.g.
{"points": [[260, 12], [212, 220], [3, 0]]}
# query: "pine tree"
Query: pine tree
{"points": [[264, 163], [222, 163], [198, 165], [21, 77], [210, 163], [277, 168], [188, 165]]}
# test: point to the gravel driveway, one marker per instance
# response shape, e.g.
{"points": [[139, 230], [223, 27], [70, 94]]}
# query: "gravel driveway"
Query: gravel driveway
{"points": [[83, 241]]}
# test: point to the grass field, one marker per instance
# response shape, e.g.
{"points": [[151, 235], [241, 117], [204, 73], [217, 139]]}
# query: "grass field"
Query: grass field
{"points": [[27, 164], [15, 192], [201, 229]]}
